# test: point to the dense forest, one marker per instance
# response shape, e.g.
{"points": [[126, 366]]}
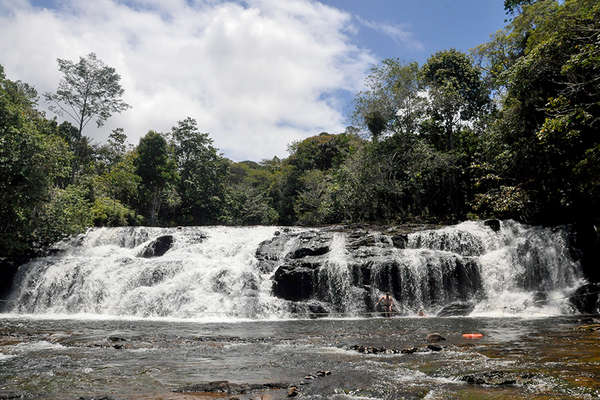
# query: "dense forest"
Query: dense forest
{"points": [[510, 130]]}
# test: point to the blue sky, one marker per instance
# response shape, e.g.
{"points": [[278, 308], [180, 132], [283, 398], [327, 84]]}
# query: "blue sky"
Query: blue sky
{"points": [[256, 74]]}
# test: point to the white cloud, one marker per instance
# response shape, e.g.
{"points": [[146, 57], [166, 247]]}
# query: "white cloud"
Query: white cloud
{"points": [[397, 33], [255, 75]]}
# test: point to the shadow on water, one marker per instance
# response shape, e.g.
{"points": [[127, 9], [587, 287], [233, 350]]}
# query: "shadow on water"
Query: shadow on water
{"points": [[141, 359]]}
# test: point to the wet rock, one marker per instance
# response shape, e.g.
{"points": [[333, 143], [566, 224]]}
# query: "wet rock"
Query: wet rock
{"points": [[590, 328], [295, 280], [96, 398], [456, 309], [586, 299], [312, 243], [376, 239], [158, 246], [118, 346], [435, 338], [8, 395], [229, 387], [374, 350], [269, 252], [498, 378], [410, 350], [116, 339], [400, 241], [493, 224], [434, 347], [540, 299], [323, 373]]}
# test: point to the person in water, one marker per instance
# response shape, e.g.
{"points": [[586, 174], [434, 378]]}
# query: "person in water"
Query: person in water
{"points": [[388, 304]]}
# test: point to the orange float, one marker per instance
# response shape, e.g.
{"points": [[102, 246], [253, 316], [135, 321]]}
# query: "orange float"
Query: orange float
{"points": [[472, 335]]}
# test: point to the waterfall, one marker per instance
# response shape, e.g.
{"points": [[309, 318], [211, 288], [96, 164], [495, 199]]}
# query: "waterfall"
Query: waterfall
{"points": [[269, 272], [209, 272]]}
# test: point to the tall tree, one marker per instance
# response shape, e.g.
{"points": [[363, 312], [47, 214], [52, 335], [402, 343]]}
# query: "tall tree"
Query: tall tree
{"points": [[89, 89], [456, 89], [202, 173], [156, 169]]}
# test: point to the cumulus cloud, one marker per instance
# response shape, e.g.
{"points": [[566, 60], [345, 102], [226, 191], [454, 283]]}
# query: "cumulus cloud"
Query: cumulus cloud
{"points": [[397, 33], [256, 75]]}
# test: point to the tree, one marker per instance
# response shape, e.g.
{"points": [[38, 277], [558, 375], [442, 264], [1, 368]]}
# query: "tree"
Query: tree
{"points": [[456, 89], [392, 100], [155, 168], [202, 173], [89, 89]]}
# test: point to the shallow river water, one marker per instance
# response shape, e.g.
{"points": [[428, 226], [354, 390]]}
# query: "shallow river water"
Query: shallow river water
{"points": [[53, 358]]}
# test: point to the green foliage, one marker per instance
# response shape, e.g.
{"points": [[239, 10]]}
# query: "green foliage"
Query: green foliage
{"points": [[156, 169], [89, 89], [392, 98], [68, 212], [110, 212], [314, 202], [33, 158], [202, 174], [457, 93]]}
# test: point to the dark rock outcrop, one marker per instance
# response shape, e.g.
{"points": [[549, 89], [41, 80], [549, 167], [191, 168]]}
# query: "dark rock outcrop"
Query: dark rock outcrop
{"points": [[295, 280], [456, 309], [498, 378], [158, 246], [269, 252], [586, 299], [493, 224], [584, 241], [400, 240], [312, 243], [229, 387]]}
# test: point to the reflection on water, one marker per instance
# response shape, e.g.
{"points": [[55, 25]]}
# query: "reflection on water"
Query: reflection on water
{"points": [[68, 358]]}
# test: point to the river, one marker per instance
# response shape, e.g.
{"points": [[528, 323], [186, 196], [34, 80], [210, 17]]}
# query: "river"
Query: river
{"points": [[143, 313]]}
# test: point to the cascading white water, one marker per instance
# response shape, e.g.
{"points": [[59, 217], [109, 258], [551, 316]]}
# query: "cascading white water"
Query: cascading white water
{"points": [[209, 272], [214, 273], [516, 264]]}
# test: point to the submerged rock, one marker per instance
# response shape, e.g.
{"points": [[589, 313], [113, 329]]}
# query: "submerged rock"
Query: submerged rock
{"points": [[8, 395], [435, 338], [158, 246], [498, 378], [456, 309], [229, 387]]}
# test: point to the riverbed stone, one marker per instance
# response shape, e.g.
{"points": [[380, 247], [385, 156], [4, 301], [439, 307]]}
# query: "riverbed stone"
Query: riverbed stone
{"points": [[229, 387], [499, 378], [456, 309], [158, 246], [435, 338]]}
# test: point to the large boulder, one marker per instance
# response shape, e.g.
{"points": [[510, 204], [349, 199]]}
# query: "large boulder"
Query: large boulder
{"points": [[456, 310], [311, 243], [158, 246], [270, 252], [295, 280], [586, 299]]}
